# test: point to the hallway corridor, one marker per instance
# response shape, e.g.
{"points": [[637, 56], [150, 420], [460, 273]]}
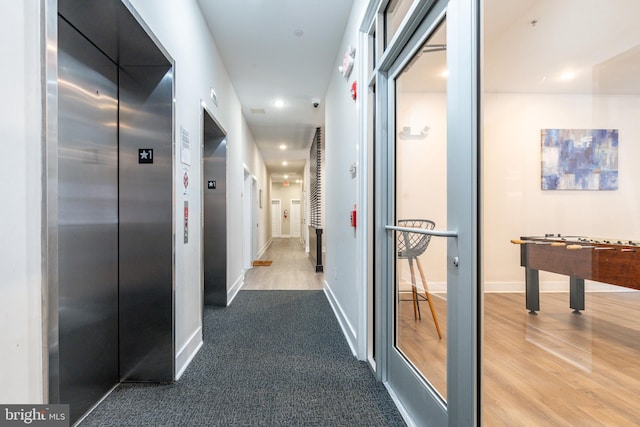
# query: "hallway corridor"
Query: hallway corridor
{"points": [[291, 269], [272, 358]]}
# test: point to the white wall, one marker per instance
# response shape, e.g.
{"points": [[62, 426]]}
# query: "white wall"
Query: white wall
{"points": [[21, 377], [514, 204], [255, 162], [421, 178], [341, 144], [183, 33], [286, 194], [181, 29], [306, 207]]}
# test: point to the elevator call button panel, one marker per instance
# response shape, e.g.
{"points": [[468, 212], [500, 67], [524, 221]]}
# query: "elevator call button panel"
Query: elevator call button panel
{"points": [[211, 185]]}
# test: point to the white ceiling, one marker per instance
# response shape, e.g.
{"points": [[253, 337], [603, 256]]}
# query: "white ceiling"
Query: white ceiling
{"points": [[597, 40], [530, 44], [267, 59]]}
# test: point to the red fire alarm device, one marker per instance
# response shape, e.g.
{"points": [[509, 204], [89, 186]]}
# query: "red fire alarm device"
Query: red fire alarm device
{"points": [[353, 217], [354, 90]]}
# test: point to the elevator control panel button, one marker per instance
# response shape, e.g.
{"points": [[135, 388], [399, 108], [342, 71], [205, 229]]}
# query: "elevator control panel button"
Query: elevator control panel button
{"points": [[145, 155], [211, 185]]}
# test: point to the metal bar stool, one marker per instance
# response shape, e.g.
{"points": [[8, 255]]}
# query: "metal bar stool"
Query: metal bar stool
{"points": [[410, 247]]}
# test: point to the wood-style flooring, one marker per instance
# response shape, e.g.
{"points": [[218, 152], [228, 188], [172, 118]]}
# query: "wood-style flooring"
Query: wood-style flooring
{"points": [[291, 269], [553, 369]]}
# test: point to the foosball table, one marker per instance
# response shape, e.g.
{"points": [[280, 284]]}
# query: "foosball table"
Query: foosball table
{"points": [[611, 261]]}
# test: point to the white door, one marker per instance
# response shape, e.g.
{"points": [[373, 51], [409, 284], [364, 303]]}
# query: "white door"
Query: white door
{"points": [[247, 221], [295, 218], [254, 218], [275, 219]]}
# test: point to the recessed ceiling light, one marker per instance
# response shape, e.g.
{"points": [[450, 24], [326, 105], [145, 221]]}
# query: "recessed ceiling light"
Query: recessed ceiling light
{"points": [[444, 74], [298, 33], [568, 75], [283, 147], [284, 163], [278, 103], [286, 176]]}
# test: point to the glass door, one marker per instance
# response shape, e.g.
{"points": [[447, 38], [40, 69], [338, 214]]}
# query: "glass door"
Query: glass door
{"points": [[561, 213], [429, 216]]}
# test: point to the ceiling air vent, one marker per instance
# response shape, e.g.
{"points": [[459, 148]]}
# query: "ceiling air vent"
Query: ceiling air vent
{"points": [[257, 111]]}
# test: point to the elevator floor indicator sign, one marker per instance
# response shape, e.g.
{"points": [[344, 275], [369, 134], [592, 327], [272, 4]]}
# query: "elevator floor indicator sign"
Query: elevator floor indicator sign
{"points": [[145, 155]]}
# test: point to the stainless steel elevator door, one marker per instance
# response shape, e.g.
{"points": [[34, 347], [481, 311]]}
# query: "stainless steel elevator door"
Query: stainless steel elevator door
{"points": [[146, 233], [88, 221], [214, 163]]}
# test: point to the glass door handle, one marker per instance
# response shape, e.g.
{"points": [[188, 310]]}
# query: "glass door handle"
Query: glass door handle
{"points": [[439, 233]]}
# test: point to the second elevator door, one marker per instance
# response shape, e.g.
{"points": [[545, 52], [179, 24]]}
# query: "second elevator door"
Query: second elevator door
{"points": [[88, 221]]}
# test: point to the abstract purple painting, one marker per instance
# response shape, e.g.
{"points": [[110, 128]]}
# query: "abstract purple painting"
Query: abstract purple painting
{"points": [[579, 159]]}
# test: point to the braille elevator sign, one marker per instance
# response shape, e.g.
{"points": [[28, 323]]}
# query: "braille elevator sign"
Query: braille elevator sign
{"points": [[145, 155], [211, 185]]}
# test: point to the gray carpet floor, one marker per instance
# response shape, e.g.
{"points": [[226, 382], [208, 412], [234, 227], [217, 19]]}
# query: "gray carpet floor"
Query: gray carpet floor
{"points": [[272, 358]]}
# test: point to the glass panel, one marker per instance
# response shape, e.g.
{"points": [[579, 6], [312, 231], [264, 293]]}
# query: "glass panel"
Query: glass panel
{"points": [[421, 202], [393, 16], [372, 53], [561, 325]]}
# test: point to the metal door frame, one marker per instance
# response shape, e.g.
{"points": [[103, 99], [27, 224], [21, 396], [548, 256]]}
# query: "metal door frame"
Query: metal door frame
{"points": [[207, 247], [49, 212], [420, 404]]}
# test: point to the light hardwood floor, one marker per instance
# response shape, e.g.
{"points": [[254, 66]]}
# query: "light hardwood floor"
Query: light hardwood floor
{"points": [[553, 369], [291, 269]]}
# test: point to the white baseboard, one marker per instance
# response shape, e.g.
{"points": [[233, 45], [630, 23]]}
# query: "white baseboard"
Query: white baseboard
{"points": [[188, 352], [233, 291], [551, 286], [347, 329], [264, 249], [434, 287], [519, 287]]}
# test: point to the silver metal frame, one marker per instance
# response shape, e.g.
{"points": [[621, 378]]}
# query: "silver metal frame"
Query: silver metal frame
{"points": [[463, 132], [49, 237], [206, 110], [364, 234], [49, 54], [422, 404]]}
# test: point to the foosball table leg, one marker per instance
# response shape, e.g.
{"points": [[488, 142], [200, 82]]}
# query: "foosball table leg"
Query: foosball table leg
{"points": [[532, 283], [576, 294]]}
